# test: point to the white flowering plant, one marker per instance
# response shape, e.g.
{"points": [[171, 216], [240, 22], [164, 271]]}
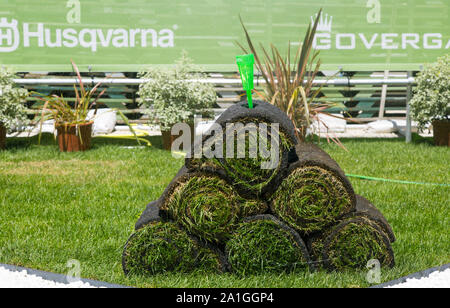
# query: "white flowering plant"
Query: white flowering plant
{"points": [[13, 112], [431, 99], [175, 95]]}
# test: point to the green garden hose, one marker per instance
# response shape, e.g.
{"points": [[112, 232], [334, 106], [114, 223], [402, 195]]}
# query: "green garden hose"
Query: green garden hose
{"points": [[362, 177], [370, 178]]}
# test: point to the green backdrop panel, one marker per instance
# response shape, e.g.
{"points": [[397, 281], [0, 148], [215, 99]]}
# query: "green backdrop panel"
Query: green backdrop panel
{"points": [[128, 35]]}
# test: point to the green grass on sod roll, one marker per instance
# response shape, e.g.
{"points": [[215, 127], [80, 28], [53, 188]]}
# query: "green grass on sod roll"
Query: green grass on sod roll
{"points": [[351, 244], [164, 247], [265, 245], [247, 173], [56, 207], [208, 207], [310, 199]]}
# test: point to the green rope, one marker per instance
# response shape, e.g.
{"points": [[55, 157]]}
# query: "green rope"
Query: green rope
{"points": [[393, 181]]}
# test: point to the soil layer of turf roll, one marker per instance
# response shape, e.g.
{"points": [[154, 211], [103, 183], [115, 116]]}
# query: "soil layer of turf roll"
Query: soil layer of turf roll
{"points": [[263, 244], [150, 214], [206, 205], [315, 194], [161, 247], [247, 174]]}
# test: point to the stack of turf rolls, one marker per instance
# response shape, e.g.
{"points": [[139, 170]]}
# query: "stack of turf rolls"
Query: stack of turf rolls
{"points": [[246, 175], [223, 214]]}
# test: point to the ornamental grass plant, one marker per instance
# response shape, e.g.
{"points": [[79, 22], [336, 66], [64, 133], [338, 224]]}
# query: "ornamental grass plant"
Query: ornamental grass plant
{"points": [[65, 114], [289, 79]]}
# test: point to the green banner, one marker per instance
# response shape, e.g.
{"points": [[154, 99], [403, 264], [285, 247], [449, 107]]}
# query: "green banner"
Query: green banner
{"points": [[129, 35]]}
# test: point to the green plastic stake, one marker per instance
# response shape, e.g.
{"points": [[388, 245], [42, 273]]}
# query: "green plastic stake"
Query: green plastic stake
{"points": [[245, 64]]}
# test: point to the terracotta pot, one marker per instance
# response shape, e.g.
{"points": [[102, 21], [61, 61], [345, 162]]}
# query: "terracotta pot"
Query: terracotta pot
{"points": [[74, 138], [2, 137], [441, 132], [168, 138]]}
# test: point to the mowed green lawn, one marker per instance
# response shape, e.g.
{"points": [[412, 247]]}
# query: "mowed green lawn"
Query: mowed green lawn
{"points": [[55, 207]]}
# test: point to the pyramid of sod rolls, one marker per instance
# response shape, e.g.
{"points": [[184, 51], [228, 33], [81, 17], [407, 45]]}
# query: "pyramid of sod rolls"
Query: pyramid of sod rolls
{"points": [[231, 213]]}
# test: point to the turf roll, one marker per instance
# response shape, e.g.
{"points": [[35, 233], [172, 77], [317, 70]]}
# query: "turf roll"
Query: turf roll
{"points": [[264, 244], [206, 205], [246, 171], [161, 247], [365, 208], [359, 237], [315, 194], [351, 244]]}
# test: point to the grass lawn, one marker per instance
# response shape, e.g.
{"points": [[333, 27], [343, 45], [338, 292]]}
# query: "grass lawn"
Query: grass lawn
{"points": [[59, 206]]}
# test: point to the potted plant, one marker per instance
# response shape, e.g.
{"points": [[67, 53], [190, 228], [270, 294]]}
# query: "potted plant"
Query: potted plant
{"points": [[175, 95], [73, 127], [431, 101], [13, 112], [73, 123]]}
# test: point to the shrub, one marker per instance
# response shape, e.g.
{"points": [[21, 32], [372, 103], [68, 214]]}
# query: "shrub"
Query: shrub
{"points": [[432, 95], [171, 96], [12, 109]]}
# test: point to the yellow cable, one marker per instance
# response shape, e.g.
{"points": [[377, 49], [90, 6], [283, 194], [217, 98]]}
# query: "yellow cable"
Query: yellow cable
{"points": [[139, 133]]}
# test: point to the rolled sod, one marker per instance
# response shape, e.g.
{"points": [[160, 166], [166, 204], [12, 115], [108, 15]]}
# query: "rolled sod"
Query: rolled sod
{"points": [[365, 208], [351, 244], [247, 174], [206, 205], [315, 194], [162, 247], [264, 244], [359, 237]]}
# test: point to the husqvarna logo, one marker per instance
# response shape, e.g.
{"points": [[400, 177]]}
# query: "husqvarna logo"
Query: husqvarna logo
{"points": [[39, 35], [9, 35], [326, 39]]}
